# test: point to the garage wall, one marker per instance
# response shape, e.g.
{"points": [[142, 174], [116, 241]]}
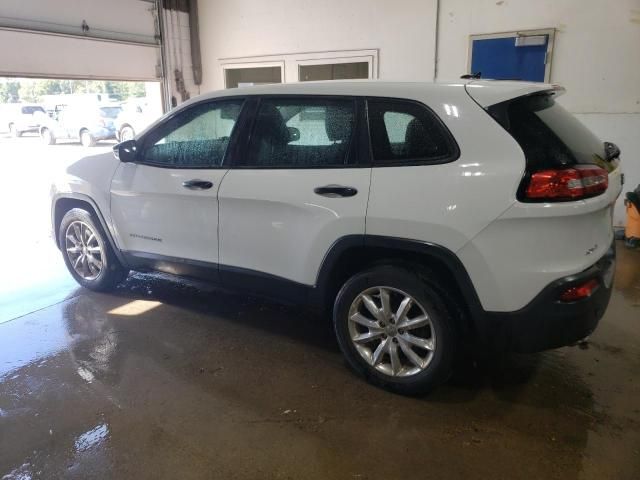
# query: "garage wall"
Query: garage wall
{"points": [[596, 57], [596, 53], [403, 31], [126, 49]]}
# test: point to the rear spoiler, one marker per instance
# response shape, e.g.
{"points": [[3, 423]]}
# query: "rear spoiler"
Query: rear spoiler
{"points": [[490, 92]]}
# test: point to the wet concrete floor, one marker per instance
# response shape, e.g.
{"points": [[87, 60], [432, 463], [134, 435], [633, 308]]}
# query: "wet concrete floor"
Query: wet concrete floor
{"points": [[167, 379]]}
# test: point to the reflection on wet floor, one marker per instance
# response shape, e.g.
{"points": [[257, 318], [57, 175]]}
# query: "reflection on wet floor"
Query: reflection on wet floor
{"points": [[175, 379]]}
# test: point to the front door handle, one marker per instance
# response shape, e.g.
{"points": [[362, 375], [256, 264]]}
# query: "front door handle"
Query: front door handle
{"points": [[335, 191], [197, 184]]}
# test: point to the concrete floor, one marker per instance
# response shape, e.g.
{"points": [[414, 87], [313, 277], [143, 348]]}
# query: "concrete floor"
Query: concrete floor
{"points": [[172, 379]]}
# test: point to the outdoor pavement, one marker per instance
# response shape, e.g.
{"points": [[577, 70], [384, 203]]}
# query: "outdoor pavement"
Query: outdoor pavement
{"points": [[167, 378]]}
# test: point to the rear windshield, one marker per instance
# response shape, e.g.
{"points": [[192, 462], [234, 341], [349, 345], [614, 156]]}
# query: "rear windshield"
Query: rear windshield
{"points": [[549, 135], [110, 112], [32, 110]]}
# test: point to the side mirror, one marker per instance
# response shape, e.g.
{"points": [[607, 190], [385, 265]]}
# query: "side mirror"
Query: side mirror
{"points": [[126, 151], [294, 134]]}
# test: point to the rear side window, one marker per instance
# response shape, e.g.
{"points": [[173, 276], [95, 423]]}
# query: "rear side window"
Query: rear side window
{"points": [[407, 132], [301, 133], [549, 135]]}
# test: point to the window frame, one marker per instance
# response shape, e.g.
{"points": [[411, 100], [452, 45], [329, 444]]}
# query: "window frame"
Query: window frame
{"points": [[451, 140], [354, 157], [240, 65], [233, 138], [550, 32]]}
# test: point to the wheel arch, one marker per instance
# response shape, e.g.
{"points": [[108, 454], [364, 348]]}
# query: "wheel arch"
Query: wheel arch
{"points": [[354, 253], [62, 203]]}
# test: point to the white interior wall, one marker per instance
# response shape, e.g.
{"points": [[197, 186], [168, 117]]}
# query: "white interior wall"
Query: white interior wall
{"points": [[402, 31], [596, 57]]}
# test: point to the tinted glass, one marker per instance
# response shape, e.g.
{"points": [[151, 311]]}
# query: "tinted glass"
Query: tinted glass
{"points": [[110, 112], [406, 132], [32, 110], [303, 133], [548, 134], [197, 137], [242, 77], [333, 71]]}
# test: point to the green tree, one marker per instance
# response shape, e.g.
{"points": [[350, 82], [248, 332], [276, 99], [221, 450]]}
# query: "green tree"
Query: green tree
{"points": [[9, 91]]}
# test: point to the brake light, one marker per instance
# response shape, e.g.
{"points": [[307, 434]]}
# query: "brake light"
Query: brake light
{"points": [[575, 183], [579, 292]]}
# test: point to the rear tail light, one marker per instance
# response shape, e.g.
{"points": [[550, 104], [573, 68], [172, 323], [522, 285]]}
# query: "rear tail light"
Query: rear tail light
{"points": [[579, 292], [574, 183]]}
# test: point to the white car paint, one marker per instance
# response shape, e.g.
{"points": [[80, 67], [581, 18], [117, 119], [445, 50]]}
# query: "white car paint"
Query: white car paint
{"points": [[271, 222], [154, 213]]}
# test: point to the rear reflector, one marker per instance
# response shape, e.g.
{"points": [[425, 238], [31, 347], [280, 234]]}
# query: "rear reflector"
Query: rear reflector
{"points": [[579, 292], [575, 183]]}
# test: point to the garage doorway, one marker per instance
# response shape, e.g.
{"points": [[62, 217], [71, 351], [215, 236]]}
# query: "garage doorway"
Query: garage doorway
{"points": [[33, 273]]}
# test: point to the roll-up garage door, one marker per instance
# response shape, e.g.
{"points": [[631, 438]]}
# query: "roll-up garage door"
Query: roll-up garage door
{"points": [[114, 40]]}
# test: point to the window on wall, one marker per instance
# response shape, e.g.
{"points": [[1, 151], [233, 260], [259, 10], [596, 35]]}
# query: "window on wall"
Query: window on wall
{"points": [[245, 76], [300, 67], [522, 55], [333, 71], [301, 133]]}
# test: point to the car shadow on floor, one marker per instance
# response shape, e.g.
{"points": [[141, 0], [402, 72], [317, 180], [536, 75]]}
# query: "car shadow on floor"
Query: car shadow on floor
{"points": [[508, 376]]}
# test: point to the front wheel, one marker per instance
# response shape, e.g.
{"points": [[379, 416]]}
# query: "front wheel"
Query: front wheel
{"points": [[13, 130], [87, 252], [395, 330]]}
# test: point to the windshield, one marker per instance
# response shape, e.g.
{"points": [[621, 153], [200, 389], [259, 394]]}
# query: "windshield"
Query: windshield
{"points": [[110, 112], [32, 109], [549, 135]]}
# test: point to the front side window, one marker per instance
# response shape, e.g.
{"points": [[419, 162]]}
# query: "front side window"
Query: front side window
{"points": [[195, 138], [407, 132], [301, 133]]}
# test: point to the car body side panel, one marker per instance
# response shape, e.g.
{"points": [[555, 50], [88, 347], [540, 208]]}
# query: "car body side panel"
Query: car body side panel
{"points": [[449, 204], [90, 176], [533, 244]]}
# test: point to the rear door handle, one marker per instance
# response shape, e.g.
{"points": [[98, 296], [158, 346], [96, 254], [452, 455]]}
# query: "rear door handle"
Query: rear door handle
{"points": [[335, 191], [197, 184]]}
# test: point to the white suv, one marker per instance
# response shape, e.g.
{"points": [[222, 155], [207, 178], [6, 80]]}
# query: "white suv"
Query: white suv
{"points": [[424, 217]]}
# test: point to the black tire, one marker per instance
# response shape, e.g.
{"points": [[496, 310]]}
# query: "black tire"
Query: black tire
{"points": [[112, 272], [47, 137], [86, 139], [126, 133], [423, 289]]}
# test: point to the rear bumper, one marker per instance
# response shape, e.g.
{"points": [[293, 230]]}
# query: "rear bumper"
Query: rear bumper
{"points": [[546, 322]]}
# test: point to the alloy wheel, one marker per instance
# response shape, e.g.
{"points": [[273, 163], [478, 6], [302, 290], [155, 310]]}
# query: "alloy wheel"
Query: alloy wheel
{"points": [[84, 250], [392, 331]]}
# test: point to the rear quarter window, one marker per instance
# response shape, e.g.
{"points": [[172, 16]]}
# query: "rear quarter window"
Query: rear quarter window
{"points": [[550, 136], [405, 132]]}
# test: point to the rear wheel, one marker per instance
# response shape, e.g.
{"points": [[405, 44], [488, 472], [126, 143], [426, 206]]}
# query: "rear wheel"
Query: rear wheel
{"points": [[87, 253], [126, 133], [47, 136], [87, 139], [395, 329]]}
